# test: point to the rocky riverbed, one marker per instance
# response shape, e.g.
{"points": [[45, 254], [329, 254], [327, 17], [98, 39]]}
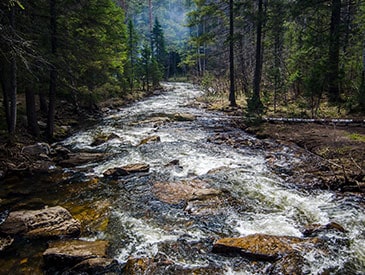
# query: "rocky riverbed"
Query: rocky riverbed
{"points": [[165, 187]]}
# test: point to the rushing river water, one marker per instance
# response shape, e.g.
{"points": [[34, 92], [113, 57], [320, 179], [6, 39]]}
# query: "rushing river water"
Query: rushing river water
{"points": [[255, 199]]}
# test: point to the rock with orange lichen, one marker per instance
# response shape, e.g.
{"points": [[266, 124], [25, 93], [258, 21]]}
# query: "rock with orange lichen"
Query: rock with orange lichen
{"points": [[264, 247]]}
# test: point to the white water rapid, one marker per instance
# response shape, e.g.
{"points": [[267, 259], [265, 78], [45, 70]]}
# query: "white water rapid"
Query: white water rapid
{"points": [[257, 200]]}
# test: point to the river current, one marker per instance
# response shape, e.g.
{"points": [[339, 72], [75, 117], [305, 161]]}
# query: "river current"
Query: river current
{"points": [[263, 202], [256, 200]]}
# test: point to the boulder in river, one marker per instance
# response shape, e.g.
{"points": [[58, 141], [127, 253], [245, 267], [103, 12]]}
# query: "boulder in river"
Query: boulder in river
{"points": [[175, 192], [183, 117], [75, 159], [72, 252], [198, 197], [150, 139], [98, 140], [315, 229], [127, 170], [48, 222], [264, 247]]}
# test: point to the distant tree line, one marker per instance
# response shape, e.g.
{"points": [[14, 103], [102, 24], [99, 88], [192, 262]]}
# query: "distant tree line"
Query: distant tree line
{"points": [[311, 52], [272, 52]]}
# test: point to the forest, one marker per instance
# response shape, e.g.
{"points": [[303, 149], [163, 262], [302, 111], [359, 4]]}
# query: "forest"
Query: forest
{"points": [[283, 58]]}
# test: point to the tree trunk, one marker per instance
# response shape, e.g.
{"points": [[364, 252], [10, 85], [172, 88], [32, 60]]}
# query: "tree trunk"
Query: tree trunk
{"points": [[31, 112], [232, 95], [42, 101], [150, 15], [53, 72], [255, 103], [362, 85], [131, 37], [334, 53], [5, 88], [13, 81]]}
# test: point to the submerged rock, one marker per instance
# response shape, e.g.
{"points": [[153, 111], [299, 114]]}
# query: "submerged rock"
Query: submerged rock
{"points": [[75, 159], [48, 222], [103, 138], [291, 264], [97, 266], [315, 229], [183, 117], [150, 139], [136, 266], [72, 252], [162, 264], [264, 247], [204, 206], [127, 170]]}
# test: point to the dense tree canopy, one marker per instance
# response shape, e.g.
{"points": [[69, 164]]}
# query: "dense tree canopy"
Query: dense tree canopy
{"points": [[310, 52], [271, 52]]}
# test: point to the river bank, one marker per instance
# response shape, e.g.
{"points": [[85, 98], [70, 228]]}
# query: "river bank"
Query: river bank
{"points": [[340, 147]]}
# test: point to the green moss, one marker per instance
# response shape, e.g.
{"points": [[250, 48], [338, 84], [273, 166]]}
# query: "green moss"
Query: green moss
{"points": [[357, 137]]}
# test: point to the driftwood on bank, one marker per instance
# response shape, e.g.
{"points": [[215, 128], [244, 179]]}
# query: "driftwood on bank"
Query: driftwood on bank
{"points": [[339, 121]]}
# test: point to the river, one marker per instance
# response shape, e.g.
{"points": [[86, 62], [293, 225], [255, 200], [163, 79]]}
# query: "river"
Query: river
{"points": [[141, 223]]}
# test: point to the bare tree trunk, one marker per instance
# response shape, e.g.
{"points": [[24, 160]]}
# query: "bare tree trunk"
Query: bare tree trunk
{"points": [[53, 72], [42, 101], [232, 95], [362, 85], [334, 53], [31, 112], [150, 7], [13, 81], [5, 89], [255, 103]]}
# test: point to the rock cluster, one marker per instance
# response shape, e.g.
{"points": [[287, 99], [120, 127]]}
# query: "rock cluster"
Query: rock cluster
{"points": [[64, 254]]}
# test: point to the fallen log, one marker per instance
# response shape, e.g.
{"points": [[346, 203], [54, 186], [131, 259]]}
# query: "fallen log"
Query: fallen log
{"points": [[341, 121]]}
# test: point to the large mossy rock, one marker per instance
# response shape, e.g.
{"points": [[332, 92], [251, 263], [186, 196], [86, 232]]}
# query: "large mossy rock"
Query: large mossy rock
{"points": [[264, 247], [67, 254], [48, 222]]}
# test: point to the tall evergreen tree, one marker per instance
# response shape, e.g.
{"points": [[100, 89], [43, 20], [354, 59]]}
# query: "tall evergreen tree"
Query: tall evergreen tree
{"points": [[158, 46]]}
